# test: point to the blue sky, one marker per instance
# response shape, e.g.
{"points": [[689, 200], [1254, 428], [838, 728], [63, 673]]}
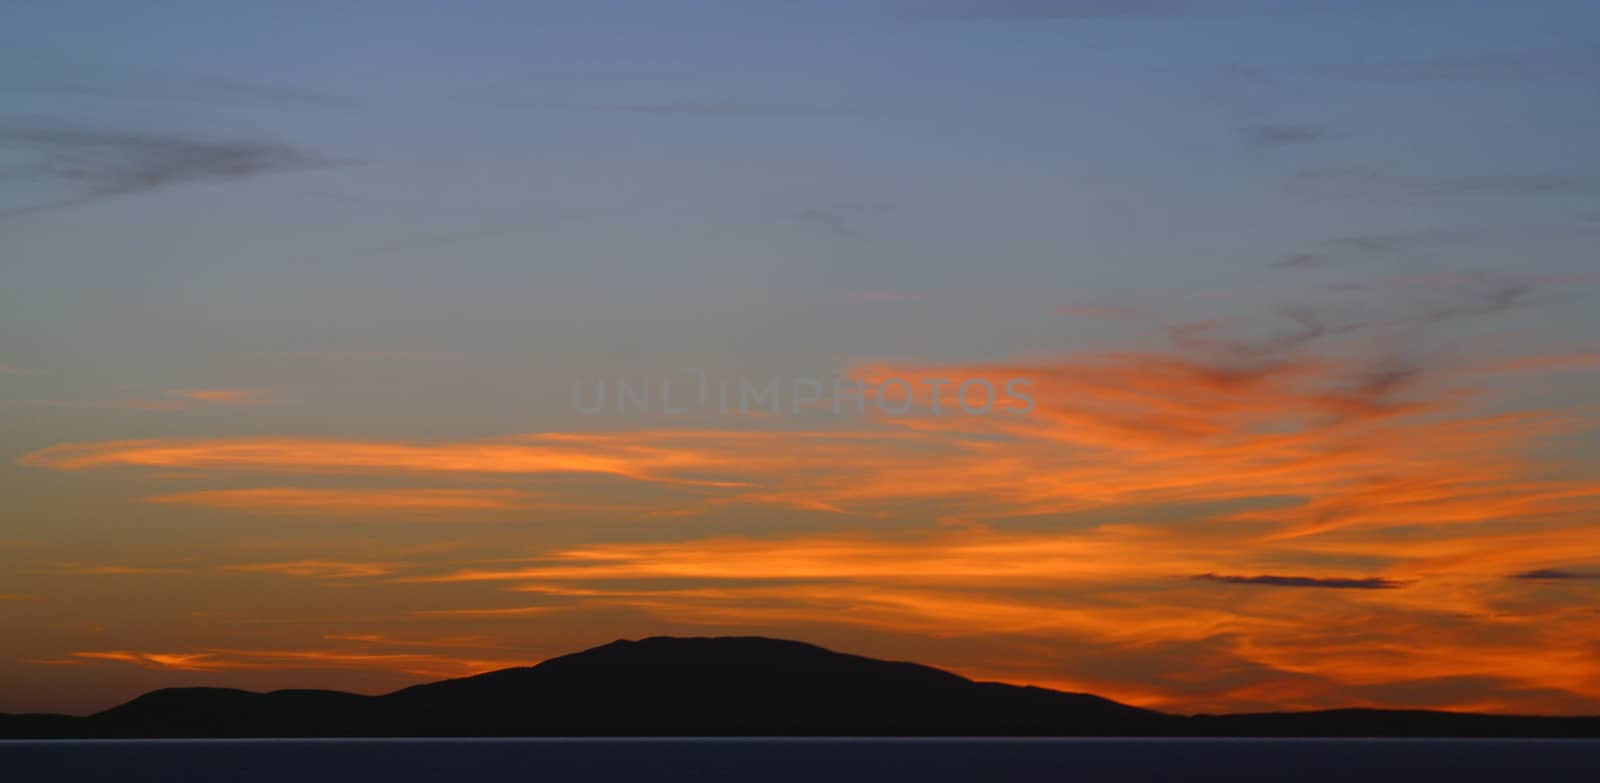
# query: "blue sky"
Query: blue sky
{"points": [[529, 161]]}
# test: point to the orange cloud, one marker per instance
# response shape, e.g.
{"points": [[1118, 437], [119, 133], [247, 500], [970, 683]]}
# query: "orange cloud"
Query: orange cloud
{"points": [[153, 660], [1082, 525], [976, 558], [535, 454], [1126, 592], [1330, 443]]}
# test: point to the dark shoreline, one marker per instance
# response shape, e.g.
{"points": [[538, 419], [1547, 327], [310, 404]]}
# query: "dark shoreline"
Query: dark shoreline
{"points": [[803, 759]]}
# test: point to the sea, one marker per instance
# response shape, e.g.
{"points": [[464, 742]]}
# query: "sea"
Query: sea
{"points": [[983, 760]]}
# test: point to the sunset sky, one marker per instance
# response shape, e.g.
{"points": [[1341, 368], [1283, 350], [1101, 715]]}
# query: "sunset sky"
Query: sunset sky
{"points": [[1297, 297]]}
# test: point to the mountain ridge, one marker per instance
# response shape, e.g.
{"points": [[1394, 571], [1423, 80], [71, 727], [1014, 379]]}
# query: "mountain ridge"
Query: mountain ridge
{"points": [[725, 686]]}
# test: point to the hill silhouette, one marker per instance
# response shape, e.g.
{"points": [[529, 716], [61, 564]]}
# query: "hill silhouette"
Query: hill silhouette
{"points": [[727, 686]]}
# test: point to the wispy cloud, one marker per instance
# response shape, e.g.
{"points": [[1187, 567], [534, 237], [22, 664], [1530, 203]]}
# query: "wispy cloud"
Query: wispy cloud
{"points": [[120, 83], [1360, 247], [317, 569], [353, 502], [467, 642], [513, 612], [1578, 64], [1064, 9], [1547, 363], [1523, 184], [840, 220], [1107, 312], [1110, 9], [109, 405], [1379, 182], [973, 558], [180, 400], [729, 108], [1397, 305], [629, 456], [236, 396], [109, 570], [446, 663]]}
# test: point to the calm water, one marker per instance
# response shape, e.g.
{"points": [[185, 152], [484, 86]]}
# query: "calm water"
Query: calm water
{"points": [[823, 760]]}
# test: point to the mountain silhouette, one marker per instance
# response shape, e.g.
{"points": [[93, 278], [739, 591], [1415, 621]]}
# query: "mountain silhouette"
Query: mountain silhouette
{"points": [[727, 686]]}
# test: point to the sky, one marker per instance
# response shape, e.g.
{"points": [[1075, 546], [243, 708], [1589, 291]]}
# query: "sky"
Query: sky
{"points": [[1208, 355]]}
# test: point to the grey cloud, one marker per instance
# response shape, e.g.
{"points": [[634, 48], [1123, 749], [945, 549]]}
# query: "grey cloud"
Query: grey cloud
{"points": [[1343, 181], [1383, 243], [1067, 9], [1293, 329], [1302, 261], [1379, 384], [1367, 247], [79, 81], [734, 108], [1303, 325], [1391, 305], [1449, 297], [1363, 246], [1266, 136], [1374, 182], [1269, 580], [1482, 294], [227, 88], [1101, 9], [839, 220], [1581, 63], [103, 164], [1517, 184]]}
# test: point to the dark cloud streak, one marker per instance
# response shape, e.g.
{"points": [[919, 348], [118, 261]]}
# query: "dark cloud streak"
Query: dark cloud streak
{"points": [[1270, 580], [1554, 575], [104, 164]]}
